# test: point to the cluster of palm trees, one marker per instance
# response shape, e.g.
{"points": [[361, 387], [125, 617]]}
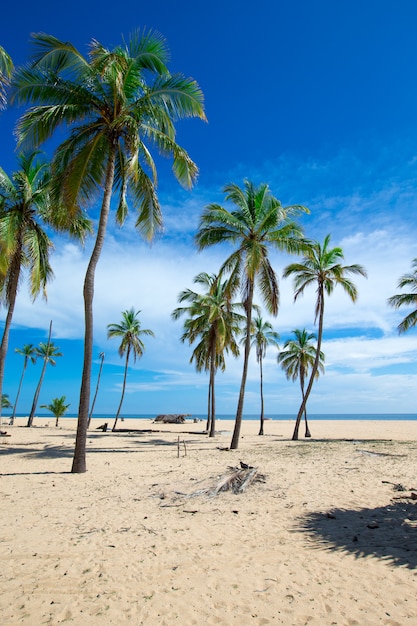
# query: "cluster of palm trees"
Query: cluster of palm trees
{"points": [[115, 107]]}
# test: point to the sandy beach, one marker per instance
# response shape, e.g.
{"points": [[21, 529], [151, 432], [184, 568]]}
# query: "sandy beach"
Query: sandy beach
{"points": [[329, 537]]}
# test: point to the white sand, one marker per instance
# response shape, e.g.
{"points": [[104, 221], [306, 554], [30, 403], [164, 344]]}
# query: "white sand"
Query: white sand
{"points": [[124, 544]]}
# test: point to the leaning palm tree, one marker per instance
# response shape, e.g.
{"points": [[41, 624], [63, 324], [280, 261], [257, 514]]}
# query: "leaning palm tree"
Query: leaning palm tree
{"points": [[6, 69], [101, 355], [48, 352], [321, 267], [117, 104], [131, 333], [297, 359], [262, 336], [257, 223], [25, 213], [57, 407], [214, 321], [29, 354], [408, 281]]}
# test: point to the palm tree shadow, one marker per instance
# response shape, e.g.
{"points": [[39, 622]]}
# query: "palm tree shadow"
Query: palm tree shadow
{"points": [[386, 532]]}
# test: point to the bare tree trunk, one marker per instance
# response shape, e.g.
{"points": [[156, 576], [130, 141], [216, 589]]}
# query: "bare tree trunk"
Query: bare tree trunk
{"points": [[315, 365], [96, 392], [239, 413], [79, 464], [123, 389], [38, 388], [261, 429]]}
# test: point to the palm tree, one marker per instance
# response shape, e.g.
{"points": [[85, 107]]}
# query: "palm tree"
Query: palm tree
{"points": [[117, 105], [296, 359], [25, 211], [258, 222], [131, 333], [5, 402], [262, 336], [214, 321], [29, 354], [408, 281], [321, 267], [101, 356], [6, 69], [48, 352], [57, 407]]}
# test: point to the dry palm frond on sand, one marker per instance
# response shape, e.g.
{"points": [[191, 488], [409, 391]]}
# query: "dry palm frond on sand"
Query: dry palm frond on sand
{"points": [[236, 479]]}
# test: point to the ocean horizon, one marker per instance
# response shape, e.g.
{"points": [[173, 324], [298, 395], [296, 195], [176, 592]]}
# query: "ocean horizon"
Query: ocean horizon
{"points": [[230, 416]]}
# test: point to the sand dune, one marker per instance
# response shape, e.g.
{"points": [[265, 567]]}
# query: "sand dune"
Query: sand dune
{"points": [[328, 538]]}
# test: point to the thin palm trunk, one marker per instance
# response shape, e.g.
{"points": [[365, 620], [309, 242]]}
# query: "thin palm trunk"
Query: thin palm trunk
{"points": [[208, 406], [307, 430], [38, 388], [19, 389], [261, 429], [213, 396], [239, 413], [315, 367], [96, 392], [79, 461], [8, 322], [123, 389]]}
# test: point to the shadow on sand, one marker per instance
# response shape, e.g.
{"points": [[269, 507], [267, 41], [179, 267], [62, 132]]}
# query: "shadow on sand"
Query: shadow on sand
{"points": [[386, 532]]}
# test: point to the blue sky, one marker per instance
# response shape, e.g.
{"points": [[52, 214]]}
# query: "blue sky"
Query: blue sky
{"points": [[316, 98]]}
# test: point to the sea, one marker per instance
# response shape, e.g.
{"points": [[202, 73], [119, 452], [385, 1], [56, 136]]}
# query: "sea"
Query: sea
{"points": [[269, 416]]}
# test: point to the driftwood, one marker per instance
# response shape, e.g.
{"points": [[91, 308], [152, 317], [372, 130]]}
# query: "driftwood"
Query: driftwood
{"points": [[172, 418], [237, 479]]}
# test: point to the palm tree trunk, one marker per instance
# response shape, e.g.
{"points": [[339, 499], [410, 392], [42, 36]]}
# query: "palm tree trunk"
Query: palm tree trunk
{"points": [[213, 396], [19, 389], [123, 389], [261, 429], [12, 290], [96, 392], [239, 413], [315, 364], [38, 388], [208, 406], [79, 464]]}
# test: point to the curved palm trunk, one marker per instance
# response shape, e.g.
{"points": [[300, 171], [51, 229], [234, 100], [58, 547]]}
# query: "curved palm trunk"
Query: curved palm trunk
{"points": [[96, 392], [79, 461], [261, 429], [15, 272], [123, 389], [315, 364], [239, 413], [38, 388], [19, 389], [213, 396]]}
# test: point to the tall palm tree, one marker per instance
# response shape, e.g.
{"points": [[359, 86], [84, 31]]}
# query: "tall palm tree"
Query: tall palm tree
{"points": [[24, 204], [262, 336], [25, 213], [297, 359], [321, 267], [131, 333], [257, 223], [117, 104], [101, 356], [408, 281], [48, 352], [6, 69], [57, 407], [29, 354], [214, 321]]}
